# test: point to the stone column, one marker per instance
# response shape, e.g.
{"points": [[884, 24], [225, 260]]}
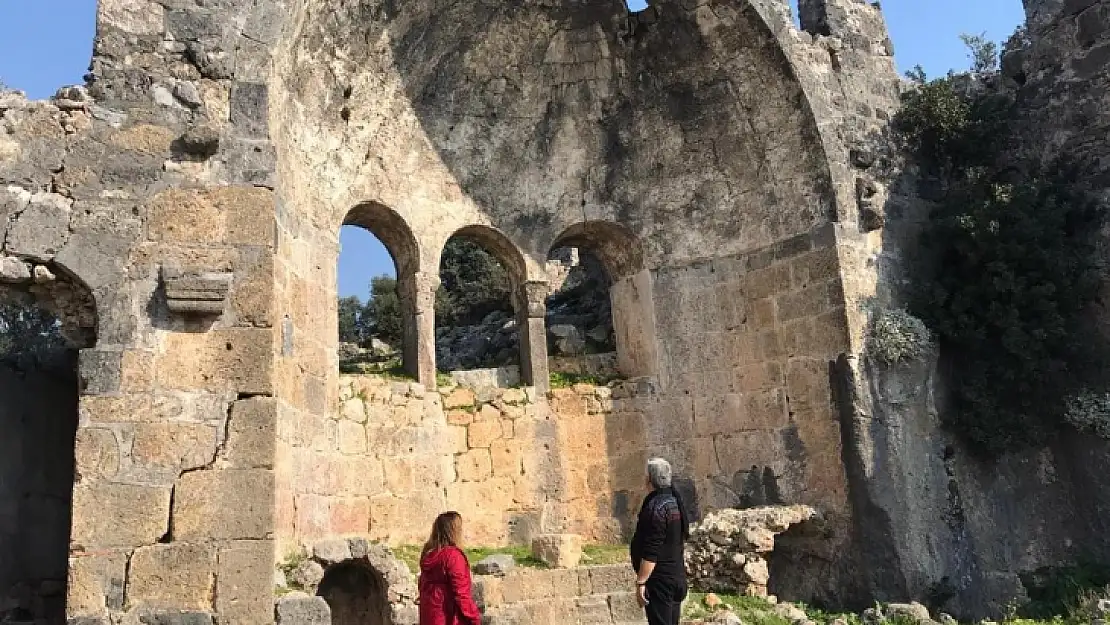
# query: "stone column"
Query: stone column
{"points": [[420, 328], [531, 310]]}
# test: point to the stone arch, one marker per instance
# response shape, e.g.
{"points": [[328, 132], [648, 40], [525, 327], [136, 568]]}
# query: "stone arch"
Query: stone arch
{"points": [[356, 594], [617, 247], [359, 583], [500, 246], [49, 315], [621, 253], [392, 230], [394, 233], [526, 296]]}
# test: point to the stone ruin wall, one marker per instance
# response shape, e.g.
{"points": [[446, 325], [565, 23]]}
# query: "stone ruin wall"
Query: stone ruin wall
{"points": [[948, 542], [210, 253], [514, 463], [703, 150]]}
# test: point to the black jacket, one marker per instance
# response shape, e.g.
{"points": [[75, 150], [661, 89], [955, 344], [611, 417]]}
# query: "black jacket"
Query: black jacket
{"points": [[661, 530]]}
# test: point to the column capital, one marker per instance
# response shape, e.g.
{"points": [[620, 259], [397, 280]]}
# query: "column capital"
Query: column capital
{"points": [[532, 298]]}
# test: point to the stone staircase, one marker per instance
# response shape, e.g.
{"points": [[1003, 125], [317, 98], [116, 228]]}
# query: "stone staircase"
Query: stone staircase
{"points": [[592, 595]]}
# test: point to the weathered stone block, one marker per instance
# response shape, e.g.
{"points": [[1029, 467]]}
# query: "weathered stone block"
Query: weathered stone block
{"points": [[139, 515], [97, 454], [624, 608], [195, 293], [236, 359], [332, 550], [475, 465], [459, 398], [252, 433], [297, 608], [250, 110], [352, 437], [95, 583], [593, 610], [561, 551], [481, 434], [610, 579], [228, 504], [179, 446], [40, 231], [497, 564], [244, 593], [177, 576]]}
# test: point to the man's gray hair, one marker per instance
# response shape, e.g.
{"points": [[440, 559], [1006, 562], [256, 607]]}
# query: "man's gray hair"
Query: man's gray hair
{"points": [[659, 472]]}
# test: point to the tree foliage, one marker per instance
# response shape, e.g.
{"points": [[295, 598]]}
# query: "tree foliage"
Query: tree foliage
{"points": [[379, 318], [382, 313], [474, 284], [982, 52], [1009, 268], [30, 337]]}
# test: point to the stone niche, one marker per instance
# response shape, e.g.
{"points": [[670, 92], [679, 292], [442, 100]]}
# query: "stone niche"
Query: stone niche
{"points": [[348, 582]]}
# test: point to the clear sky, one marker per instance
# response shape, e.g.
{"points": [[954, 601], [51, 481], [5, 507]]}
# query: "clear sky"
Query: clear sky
{"points": [[46, 44]]}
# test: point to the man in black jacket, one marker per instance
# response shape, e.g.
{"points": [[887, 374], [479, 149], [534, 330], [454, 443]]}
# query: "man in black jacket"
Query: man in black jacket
{"points": [[658, 548]]}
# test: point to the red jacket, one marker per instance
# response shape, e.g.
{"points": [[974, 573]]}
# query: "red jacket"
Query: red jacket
{"points": [[445, 597]]}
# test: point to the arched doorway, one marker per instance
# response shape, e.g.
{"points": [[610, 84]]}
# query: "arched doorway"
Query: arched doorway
{"points": [[356, 594], [45, 320]]}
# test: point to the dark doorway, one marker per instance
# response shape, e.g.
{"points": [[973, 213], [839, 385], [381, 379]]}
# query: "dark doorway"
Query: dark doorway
{"points": [[39, 392], [356, 594]]}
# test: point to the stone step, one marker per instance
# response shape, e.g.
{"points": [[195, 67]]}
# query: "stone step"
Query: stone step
{"points": [[608, 609]]}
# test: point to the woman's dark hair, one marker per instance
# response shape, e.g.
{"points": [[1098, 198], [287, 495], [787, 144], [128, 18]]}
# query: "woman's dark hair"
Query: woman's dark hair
{"points": [[446, 532]]}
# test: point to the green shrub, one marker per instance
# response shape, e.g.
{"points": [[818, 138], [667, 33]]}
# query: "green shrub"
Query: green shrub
{"points": [[897, 336], [1090, 412], [1064, 591], [1008, 268]]}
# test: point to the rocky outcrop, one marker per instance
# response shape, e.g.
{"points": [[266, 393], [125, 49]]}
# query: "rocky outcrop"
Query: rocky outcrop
{"points": [[727, 551]]}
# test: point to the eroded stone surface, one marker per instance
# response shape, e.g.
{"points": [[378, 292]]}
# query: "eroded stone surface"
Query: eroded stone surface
{"points": [[717, 161]]}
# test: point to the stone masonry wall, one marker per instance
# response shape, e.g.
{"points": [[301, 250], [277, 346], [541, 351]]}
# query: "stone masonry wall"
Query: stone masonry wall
{"points": [[150, 190], [598, 595], [515, 464]]}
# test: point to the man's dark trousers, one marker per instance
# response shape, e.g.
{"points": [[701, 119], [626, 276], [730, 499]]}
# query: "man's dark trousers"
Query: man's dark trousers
{"points": [[665, 599]]}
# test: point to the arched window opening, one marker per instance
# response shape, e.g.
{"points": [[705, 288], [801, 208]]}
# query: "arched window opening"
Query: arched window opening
{"points": [[476, 324], [604, 303], [376, 307], [356, 594], [580, 336], [41, 330], [371, 325]]}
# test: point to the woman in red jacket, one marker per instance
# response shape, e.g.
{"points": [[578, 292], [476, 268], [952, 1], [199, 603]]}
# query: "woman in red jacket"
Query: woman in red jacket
{"points": [[445, 597]]}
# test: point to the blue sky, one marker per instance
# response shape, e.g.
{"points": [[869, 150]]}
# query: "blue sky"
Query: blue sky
{"points": [[46, 44]]}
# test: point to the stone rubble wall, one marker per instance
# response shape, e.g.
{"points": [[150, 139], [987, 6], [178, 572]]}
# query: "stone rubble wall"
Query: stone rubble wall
{"points": [[727, 551], [515, 464], [597, 595]]}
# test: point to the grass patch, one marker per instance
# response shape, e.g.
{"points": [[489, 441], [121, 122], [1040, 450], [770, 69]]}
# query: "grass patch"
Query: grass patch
{"points": [[595, 555], [410, 555], [391, 370], [560, 379], [751, 610], [1062, 590]]}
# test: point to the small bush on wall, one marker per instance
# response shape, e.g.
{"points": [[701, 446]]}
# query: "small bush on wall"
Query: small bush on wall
{"points": [[1010, 267], [1090, 412], [897, 336]]}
